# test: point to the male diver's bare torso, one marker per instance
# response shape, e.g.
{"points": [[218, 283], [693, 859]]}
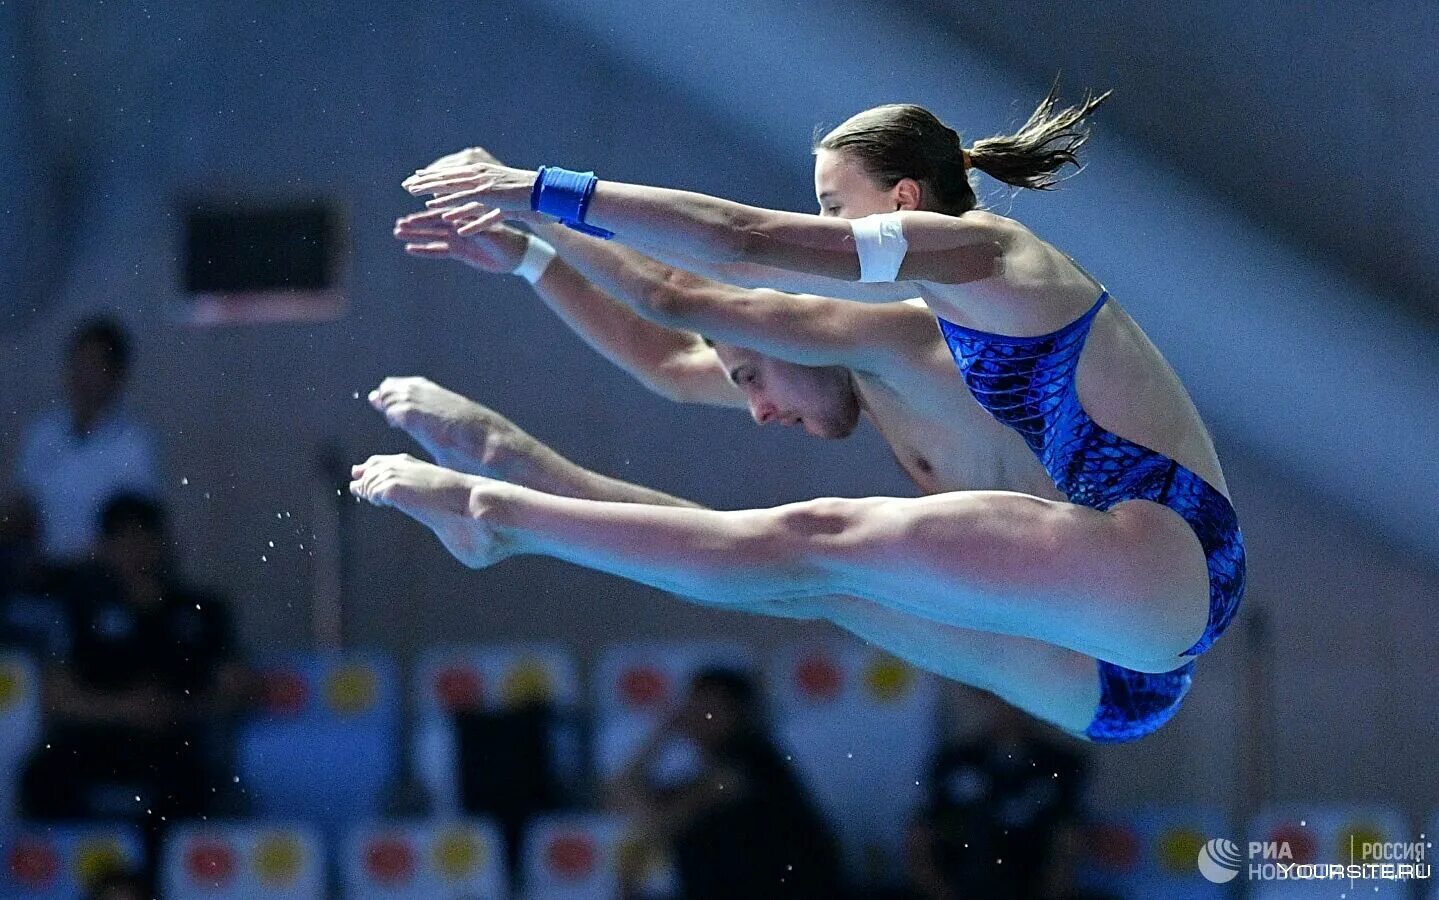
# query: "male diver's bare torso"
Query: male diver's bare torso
{"points": [[941, 437]]}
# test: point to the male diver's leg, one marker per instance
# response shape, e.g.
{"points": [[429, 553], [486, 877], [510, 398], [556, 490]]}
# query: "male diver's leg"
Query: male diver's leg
{"points": [[731, 559], [1130, 589]]}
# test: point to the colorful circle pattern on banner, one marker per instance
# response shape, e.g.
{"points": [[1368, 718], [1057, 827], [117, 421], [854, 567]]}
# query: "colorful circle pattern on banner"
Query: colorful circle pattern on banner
{"points": [[459, 688], [278, 859], [638, 856], [12, 685], [34, 864], [95, 858], [571, 856], [460, 679], [1115, 847], [285, 692], [1178, 848], [211, 862], [352, 689], [1355, 835], [819, 678], [887, 678], [390, 861], [1301, 841], [644, 688], [527, 683], [459, 853], [58, 860]]}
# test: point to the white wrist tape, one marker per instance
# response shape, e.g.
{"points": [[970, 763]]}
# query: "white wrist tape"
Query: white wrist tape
{"points": [[537, 258], [879, 240]]}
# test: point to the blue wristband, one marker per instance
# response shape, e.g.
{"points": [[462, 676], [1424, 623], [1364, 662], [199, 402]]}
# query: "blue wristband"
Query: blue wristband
{"points": [[566, 196]]}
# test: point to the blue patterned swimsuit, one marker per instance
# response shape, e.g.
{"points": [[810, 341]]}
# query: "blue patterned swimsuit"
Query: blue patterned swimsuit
{"points": [[1028, 383]]}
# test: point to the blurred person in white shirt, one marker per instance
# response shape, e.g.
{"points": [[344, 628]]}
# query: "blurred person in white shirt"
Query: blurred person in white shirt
{"points": [[75, 458]]}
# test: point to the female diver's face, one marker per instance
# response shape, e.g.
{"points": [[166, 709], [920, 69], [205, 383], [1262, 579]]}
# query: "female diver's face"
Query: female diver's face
{"points": [[845, 190]]}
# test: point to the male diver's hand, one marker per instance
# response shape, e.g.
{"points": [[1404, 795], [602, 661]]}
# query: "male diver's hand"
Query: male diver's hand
{"points": [[496, 248]]}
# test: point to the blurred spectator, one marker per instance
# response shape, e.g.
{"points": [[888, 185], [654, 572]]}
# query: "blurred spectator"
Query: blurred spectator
{"points": [[34, 617], [74, 459], [742, 825], [133, 710], [1002, 816]]}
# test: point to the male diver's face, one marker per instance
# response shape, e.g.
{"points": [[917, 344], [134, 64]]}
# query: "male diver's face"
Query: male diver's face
{"points": [[846, 191], [821, 399]]}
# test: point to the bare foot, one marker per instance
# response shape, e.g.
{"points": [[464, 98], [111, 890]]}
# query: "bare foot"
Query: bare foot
{"points": [[458, 432], [440, 499]]}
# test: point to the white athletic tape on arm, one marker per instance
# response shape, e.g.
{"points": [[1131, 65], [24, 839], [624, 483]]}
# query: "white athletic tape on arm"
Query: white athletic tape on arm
{"points": [[537, 258], [879, 240]]}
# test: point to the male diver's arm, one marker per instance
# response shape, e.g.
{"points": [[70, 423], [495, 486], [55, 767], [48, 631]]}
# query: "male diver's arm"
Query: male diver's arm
{"points": [[801, 328], [672, 363]]}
